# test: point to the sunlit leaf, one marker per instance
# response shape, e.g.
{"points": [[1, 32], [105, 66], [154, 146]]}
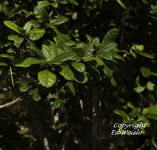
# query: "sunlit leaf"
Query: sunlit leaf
{"points": [[46, 78], [12, 26], [66, 72], [36, 33]]}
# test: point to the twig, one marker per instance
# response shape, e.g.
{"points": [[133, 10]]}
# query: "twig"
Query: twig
{"points": [[11, 103], [46, 144], [11, 75]]}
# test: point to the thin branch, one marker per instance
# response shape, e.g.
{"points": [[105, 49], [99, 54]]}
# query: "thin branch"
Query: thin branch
{"points": [[11, 103], [46, 144], [11, 75]]}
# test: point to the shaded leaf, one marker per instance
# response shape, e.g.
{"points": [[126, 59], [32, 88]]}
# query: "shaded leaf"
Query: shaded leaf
{"points": [[111, 35], [121, 113], [151, 112], [146, 72]]}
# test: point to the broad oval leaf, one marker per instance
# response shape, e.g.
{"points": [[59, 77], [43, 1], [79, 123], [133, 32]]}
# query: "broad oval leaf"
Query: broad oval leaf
{"points": [[151, 112], [146, 72], [111, 35], [12, 26], [46, 78], [36, 33], [49, 50], [41, 14], [80, 67]]}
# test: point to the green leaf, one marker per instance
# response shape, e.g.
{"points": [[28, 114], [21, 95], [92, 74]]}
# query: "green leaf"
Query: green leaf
{"points": [[154, 143], [49, 50], [41, 14], [144, 120], [12, 26], [139, 89], [80, 67], [122, 4], [62, 45], [99, 62], [58, 103], [106, 47], [81, 77], [3, 64], [30, 137], [66, 72], [121, 113], [111, 35], [32, 23], [43, 3], [72, 88], [24, 87], [130, 105], [36, 96], [17, 40], [150, 86], [146, 55], [74, 2], [146, 72], [107, 55], [6, 56], [46, 78], [151, 112], [60, 20], [28, 62], [138, 47], [36, 33], [63, 57], [34, 47], [11, 51]]}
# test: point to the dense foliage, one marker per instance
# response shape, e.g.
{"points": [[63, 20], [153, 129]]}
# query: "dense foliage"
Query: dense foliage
{"points": [[77, 67]]}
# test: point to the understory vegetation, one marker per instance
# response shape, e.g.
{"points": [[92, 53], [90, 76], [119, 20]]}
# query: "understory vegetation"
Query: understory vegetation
{"points": [[71, 70]]}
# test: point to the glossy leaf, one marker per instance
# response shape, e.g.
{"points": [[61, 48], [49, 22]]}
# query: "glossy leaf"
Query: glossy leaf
{"points": [[63, 57], [80, 67], [60, 20], [49, 50], [17, 40], [36, 33], [46, 78], [12, 26], [66, 72], [28, 62]]}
